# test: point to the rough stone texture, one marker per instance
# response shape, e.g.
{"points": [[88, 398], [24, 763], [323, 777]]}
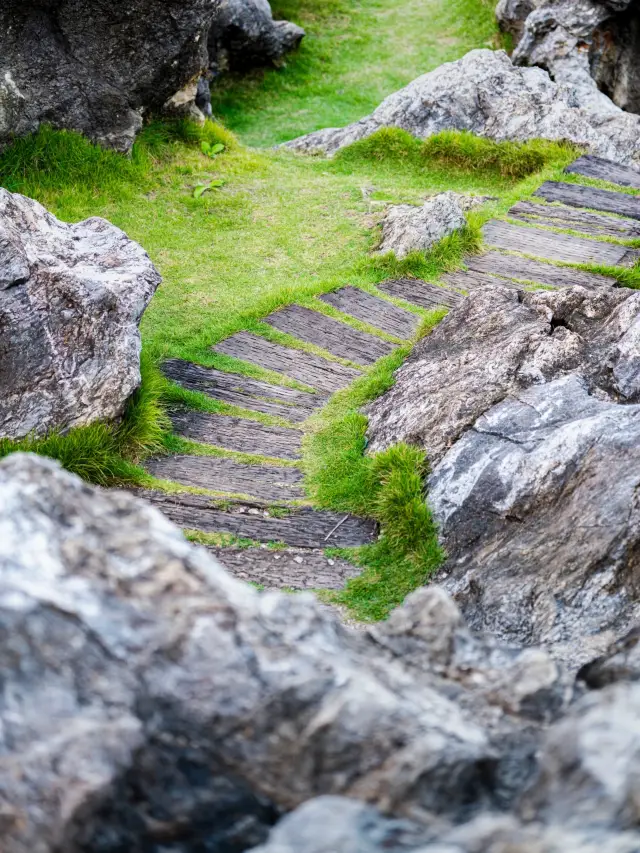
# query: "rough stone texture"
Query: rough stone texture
{"points": [[71, 298], [244, 35], [512, 14], [407, 228], [96, 67], [485, 93]]}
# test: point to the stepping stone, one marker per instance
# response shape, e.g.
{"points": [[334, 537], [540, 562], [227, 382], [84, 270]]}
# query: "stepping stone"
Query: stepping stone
{"points": [[373, 310], [306, 368], [470, 280], [605, 170], [226, 475], [238, 434], [525, 269], [294, 568], [577, 195], [563, 216], [421, 293], [556, 247], [302, 527], [335, 337], [238, 390]]}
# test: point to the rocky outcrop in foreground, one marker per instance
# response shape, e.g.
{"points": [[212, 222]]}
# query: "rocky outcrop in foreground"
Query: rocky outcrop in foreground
{"points": [[71, 298], [486, 94], [97, 66], [527, 407], [152, 702]]}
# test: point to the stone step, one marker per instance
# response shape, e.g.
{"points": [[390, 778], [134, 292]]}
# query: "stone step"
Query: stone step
{"points": [[238, 434], [564, 216], [237, 390], [577, 195], [291, 568], [516, 267], [311, 370], [421, 293], [373, 310], [335, 337], [301, 527], [471, 280], [227, 476], [605, 170], [555, 247]]}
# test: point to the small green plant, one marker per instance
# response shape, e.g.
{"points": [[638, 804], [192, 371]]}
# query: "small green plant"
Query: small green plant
{"points": [[211, 149], [201, 189]]}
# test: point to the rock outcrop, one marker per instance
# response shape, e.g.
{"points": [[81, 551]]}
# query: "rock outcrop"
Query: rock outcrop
{"points": [[71, 298], [486, 94], [97, 67], [244, 35]]}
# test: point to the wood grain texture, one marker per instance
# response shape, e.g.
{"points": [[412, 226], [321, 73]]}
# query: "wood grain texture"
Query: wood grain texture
{"points": [[238, 390], [228, 476], [605, 170], [525, 269], [293, 568], [302, 527], [470, 280], [564, 216], [309, 369], [421, 293], [238, 434], [333, 336], [555, 247], [577, 195], [373, 310]]}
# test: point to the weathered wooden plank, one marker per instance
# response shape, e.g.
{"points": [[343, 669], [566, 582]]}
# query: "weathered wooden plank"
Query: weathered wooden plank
{"points": [[577, 195], [421, 293], [237, 390], [605, 170], [555, 247], [302, 527], [306, 368], [471, 280], [564, 216], [335, 337], [525, 269], [226, 475], [292, 568], [373, 310], [238, 434]]}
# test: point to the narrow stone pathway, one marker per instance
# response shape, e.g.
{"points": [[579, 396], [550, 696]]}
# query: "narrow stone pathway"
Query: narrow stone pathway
{"points": [[264, 504]]}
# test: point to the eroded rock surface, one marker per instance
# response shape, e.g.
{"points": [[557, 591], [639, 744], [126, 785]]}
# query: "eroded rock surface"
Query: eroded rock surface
{"points": [[71, 298], [486, 94]]}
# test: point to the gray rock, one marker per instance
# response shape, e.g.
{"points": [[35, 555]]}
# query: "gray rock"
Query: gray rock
{"points": [[96, 67], [71, 298], [620, 662], [512, 14], [244, 35], [486, 94]]}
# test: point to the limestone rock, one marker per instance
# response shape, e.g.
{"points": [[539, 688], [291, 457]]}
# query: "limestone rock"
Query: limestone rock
{"points": [[486, 94], [71, 298], [512, 14], [96, 66], [244, 34]]}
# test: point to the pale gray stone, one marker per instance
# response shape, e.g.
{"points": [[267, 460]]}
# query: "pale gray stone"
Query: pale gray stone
{"points": [[71, 298]]}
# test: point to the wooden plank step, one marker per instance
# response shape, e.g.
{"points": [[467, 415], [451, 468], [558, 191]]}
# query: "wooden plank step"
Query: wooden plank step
{"points": [[471, 280], [564, 216], [525, 269], [226, 475], [335, 337], [605, 170], [238, 434], [421, 293], [373, 310], [577, 195], [238, 390], [293, 568], [555, 247], [302, 527], [306, 368]]}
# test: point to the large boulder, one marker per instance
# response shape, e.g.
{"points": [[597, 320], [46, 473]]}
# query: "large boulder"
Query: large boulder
{"points": [[486, 94], [244, 35], [71, 298], [96, 67]]}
